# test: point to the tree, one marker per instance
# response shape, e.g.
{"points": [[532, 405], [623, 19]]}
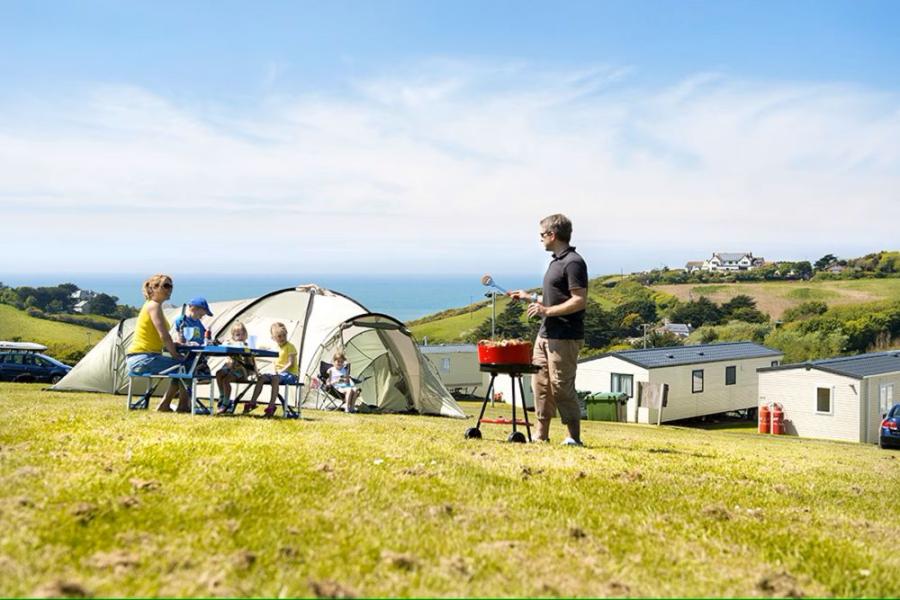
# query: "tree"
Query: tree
{"points": [[697, 312], [804, 310], [103, 304], [803, 269], [509, 324], [599, 330], [659, 339], [825, 262], [743, 308], [631, 315], [739, 301], [748, 315]]}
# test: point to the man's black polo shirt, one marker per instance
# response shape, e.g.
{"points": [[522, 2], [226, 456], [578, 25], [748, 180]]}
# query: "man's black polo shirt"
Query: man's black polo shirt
{"points": [[567, 271]]}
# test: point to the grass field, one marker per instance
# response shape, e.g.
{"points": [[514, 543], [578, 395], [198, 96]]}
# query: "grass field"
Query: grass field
{"points": [[99, 501], [16, 323], [774, 297]]}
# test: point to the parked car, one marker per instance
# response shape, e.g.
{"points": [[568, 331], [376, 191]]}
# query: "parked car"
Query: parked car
{"points": [[890, 429], [23, 366]]}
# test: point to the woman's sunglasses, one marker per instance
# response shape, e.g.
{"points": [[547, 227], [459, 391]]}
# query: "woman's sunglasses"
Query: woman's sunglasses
{"points": [[167, 285]]}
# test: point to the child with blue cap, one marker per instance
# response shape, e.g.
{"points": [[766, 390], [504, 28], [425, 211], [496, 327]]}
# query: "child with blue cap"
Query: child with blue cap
{"points": [[189, 326], [191, 331]]}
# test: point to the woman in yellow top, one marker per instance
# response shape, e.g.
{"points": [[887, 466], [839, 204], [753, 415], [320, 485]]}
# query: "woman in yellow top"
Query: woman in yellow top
{"points": [[286, 370], [151, 335]]}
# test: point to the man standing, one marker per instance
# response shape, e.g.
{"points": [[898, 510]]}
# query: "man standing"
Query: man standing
{"points": [[562, 331]]}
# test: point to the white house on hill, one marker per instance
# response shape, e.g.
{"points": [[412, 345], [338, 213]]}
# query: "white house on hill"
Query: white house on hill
{"points": [[704, 379], [724, 262], [836, 398]]}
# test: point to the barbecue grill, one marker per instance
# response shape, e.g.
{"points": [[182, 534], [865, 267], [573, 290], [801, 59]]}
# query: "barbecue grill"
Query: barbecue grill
{"points": [[513, 359]]}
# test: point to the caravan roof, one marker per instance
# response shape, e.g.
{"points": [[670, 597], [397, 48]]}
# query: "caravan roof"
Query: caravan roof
{"points": [[858, 367], [671, 356]]}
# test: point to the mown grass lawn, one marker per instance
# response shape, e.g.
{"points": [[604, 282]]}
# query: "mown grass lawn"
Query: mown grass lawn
{"points": [[100, 501]]}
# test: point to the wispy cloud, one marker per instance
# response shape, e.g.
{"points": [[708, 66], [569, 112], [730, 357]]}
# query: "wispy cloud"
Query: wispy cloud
{"points": [[452, 160]]}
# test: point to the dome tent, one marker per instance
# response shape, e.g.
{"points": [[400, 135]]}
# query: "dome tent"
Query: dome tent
{"points": [[395, 376], [311, 315]]}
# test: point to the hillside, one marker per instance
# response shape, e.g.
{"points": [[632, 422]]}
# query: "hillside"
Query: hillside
{"points": [[65, 341], [774, 297]]}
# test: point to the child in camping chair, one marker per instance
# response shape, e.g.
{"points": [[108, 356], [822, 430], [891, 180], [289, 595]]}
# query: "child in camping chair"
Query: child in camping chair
{"points": [[339, 379], [236, 369]]}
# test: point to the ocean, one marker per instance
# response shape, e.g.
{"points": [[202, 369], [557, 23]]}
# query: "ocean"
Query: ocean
{"points": [[405, 297]]}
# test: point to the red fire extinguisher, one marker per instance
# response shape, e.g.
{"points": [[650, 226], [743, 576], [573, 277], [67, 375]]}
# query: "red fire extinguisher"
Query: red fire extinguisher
{"points": [[764, 416], [777, 419]]}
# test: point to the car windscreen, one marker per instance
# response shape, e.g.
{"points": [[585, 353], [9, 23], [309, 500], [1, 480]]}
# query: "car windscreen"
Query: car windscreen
{"points": [[53, 361]]}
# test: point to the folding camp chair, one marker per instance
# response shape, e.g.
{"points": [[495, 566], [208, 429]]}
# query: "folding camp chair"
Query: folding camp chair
{"points": [[331, 398]]}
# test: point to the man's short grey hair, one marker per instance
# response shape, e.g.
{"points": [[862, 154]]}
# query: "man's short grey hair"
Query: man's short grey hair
{"points": [[560, 225]]}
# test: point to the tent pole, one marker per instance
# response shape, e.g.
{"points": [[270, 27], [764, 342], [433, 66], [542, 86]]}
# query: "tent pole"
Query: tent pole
{"points": [[114, 366], [309, 305]]}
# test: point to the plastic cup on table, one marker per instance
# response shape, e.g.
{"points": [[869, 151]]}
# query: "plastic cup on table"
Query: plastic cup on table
{"points": [[251, 341]]}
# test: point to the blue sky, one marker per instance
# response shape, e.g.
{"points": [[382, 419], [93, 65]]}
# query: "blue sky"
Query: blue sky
{"points": [[429, 133]]}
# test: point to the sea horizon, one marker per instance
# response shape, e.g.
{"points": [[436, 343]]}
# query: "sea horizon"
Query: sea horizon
{"points": [[405, 297]]}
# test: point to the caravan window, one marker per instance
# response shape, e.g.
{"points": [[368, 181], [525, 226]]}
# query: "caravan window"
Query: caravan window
{"points": [[730, 375], [823, 400], [621, 383], [697, 381], [445, 365], [886, 397]]}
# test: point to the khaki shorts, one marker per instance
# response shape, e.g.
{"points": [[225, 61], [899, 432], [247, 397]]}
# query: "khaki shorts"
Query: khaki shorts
{"points": [[554, 384]]}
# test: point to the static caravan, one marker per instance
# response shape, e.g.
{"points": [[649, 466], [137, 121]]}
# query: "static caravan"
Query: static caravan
{"points": [[457, 364], [836, 398], [703, 380]]}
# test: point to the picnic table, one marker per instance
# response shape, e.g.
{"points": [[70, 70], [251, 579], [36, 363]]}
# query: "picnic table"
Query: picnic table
{"points": [[189, 374]]}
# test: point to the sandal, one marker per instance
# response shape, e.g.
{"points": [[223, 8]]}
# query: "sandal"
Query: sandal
{"points": [[269, 412], [249, 407]]}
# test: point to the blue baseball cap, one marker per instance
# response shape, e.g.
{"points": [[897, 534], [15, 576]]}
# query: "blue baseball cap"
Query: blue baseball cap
{"points": [[202, 303]]}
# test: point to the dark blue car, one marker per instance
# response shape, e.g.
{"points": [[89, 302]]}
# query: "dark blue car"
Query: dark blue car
{"points": [[26, 367], [890, 429]]}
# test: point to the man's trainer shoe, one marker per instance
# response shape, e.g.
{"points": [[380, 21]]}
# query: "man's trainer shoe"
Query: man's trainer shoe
{"points": [[570, 442]]}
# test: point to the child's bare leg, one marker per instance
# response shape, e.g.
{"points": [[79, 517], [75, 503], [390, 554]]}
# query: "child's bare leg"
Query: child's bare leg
{"points": [[349, 400], [276, 384], [257, 389]]}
